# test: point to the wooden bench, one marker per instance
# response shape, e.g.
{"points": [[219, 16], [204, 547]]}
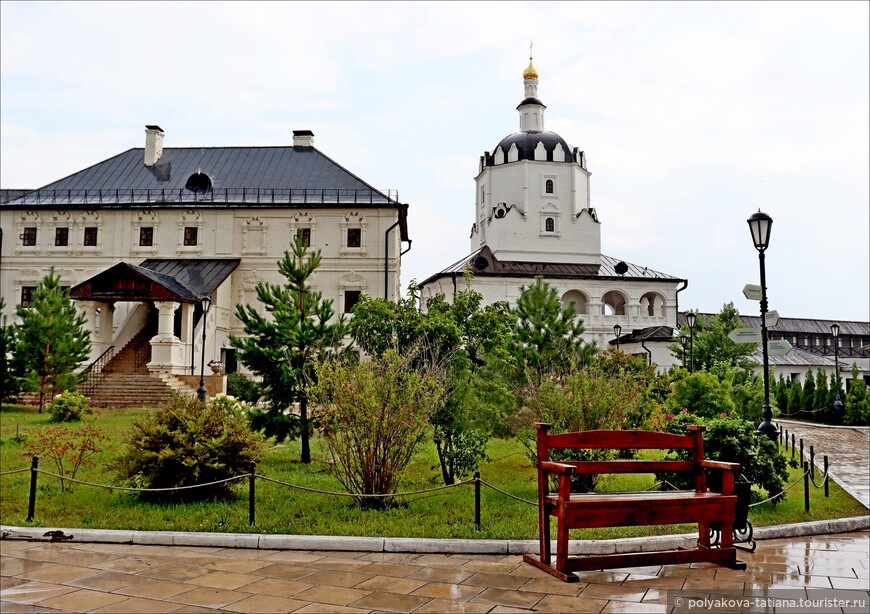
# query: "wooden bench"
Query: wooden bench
{"points": [[588, 510]]}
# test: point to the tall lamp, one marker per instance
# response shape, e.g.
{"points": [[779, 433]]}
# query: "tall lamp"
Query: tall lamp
{"points": [[838, 404], [205, 302], [759, 225], [617, 330], [690, 318]]}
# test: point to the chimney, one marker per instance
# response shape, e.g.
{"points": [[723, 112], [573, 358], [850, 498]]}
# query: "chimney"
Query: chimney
{"points": [[153, 144], [303, 138]]}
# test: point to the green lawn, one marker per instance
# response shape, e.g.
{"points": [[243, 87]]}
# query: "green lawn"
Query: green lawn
{"points": [[279, 509]]}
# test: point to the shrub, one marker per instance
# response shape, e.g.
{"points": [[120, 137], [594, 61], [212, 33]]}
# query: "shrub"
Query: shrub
{"points": [[66, 447], [244, 388], [68, 406], [185, 443], [857, 402], [733, 440], [372, 415], [703, 394]]}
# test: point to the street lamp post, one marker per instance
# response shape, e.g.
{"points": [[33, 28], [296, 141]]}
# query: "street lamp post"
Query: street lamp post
{"points": [[205, 302], [683, 340], [838, 404], [617, 330], [690, 318], [759, 225]]}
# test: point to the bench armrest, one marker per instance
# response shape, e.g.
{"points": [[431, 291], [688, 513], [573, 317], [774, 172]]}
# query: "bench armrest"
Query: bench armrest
{"points": [[711, 464], [560, 468]]}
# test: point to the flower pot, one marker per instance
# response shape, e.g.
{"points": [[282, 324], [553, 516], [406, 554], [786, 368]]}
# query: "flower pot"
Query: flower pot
{"points": [[216, 369]]}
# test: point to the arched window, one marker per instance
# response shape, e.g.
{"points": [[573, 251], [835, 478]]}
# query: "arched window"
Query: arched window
{"points": [[548, 187], [549, 225]]}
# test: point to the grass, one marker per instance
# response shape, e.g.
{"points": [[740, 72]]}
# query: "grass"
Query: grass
{"points": [[444, 514]]}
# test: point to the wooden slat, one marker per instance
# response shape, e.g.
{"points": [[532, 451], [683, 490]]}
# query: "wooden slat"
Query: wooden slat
{"points": [[629, 466], [723, 556], [619, 440]]}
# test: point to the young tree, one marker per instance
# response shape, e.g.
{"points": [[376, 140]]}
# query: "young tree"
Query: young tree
{"points": [[51, 341], [808, 395], [547, 337], [820, 399], [857, 401], [795, 392], [711, 342], [283, 347]]}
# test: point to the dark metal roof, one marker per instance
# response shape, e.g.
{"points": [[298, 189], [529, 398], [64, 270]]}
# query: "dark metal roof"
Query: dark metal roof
{"points": [[798, 357], [201, 277], [652, 333], [184, 280], [797, 325], [7, 194], [531, 101], [526, 143], [254, 175], [495, 268]]}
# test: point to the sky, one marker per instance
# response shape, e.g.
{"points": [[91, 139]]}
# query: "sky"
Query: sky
{"points": [[692, 115]]}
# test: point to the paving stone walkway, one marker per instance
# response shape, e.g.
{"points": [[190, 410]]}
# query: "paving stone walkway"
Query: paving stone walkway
{"points": [[848, 451], [93, 577]]}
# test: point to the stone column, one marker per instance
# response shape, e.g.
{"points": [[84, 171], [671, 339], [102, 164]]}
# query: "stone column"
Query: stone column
{"points": [[107, 324], [167, 350]]}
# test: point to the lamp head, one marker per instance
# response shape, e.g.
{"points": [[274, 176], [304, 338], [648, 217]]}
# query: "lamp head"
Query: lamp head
{"points": [[683, 339], [205, 303], [835, 330], [617, 329], [759, 226], [690, 318]]}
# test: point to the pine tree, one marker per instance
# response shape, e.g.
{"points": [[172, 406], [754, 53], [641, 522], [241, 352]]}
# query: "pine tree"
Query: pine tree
{"points": [[780, 394], [283, 348], [808, 396], [51, 342], [10, 381], [857, 401], [820, 399], [795, 393], [547, 337]]}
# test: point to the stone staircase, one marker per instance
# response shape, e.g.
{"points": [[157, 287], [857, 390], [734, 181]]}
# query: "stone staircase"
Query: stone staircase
{"points": [[127, 382]]}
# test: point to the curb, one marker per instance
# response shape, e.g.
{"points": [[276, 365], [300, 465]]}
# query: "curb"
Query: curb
{"points": [[418, 546]]}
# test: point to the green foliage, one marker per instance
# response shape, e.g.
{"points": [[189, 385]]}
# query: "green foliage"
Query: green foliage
{"points": [[702, 394], [547, 337], [745, 389], [779, 391], [185, 443], [808, 396], [68, 448], [51, 341], [734, 440], [283, 345], [711, 343], [68, 406], [10, 380], [857, 401], [373, 415], [243, 388], [820, 399], [795, 394]]}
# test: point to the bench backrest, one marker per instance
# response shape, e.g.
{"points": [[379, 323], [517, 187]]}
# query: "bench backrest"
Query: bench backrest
{"points": [[623, 440]]}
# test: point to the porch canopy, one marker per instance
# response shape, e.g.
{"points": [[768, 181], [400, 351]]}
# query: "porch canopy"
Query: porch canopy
{"points": [[157, 279]]}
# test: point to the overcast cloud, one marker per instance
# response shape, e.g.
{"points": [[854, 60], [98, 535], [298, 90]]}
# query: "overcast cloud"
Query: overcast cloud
{"points": [[692, 116]]}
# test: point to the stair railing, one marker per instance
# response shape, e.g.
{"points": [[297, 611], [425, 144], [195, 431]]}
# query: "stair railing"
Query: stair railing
{"points": [[142, 354], [94, 374]]}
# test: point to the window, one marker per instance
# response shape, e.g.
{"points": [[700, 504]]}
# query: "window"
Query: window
{"points": [[90, 236], [27, 295], [61, 237], [304, 235], [29, 237], [146, 236], [550, 225], [354, 237], [190, 236], [548, 186], [351, 298]]}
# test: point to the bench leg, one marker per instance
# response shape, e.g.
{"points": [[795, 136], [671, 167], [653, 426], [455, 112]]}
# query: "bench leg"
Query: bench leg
{"points": [[562, 535], [544, 534]]}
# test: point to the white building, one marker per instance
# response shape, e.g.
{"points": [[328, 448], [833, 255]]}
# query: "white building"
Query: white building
{"points": [[533, 216], [141, 237]]}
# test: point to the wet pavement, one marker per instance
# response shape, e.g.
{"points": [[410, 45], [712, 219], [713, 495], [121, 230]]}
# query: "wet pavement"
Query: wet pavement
{"points": [[848, 451], [99, 577]]}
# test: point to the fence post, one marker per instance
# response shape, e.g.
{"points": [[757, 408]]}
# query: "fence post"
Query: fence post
{"points": [[786, 440], [825, 459], [792, 446], [477, 500], [251, 498], [31, 504], [812, 463], [779, 438], [806, 487], [802, 450]]}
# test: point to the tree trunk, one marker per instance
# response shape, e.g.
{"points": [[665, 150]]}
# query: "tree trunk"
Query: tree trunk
{"points": [[303, 419], [445, 474]]}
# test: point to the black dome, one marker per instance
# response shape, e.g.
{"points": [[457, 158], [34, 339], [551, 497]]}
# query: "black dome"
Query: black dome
{"points": [[526, 143]]}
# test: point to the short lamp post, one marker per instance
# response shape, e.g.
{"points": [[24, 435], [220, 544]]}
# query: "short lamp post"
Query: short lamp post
{"points": [[205, 302], [838, 404], [617, 330], [684, 339], [690, 318], [759, 225]]}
